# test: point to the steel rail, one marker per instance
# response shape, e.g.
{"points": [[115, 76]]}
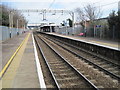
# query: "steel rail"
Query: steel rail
{"points": [[79, 73], [114, 64], [87, 60], [55, 81]]}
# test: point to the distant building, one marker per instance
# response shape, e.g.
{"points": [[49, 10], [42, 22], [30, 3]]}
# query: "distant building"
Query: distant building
{"points": [[119, 6], [33, 25]]}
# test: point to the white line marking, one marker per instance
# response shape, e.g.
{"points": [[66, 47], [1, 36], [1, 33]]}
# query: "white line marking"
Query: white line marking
{"points": [[39, 70]]}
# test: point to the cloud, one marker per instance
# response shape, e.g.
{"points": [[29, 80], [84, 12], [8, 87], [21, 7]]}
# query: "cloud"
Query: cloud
{"points": [[26, 0]]}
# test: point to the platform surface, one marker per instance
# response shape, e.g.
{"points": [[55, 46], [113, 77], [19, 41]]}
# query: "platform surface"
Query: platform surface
{"points": [[22, 72], [9, 47], [104, 43]]}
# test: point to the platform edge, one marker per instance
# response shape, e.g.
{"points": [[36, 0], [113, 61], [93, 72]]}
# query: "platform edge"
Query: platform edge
{"points": [[38, 66]]}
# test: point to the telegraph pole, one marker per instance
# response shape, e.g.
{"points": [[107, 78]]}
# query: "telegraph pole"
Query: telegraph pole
{"points": [[11, 19], [73, 22]]}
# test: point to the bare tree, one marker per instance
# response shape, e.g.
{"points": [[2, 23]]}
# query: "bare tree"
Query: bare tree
{"points": [[89, 12], [92, 12], [80, 14], [4, 16], [18, 16]]}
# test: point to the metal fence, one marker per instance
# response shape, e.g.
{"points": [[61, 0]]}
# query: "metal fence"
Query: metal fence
{"points": [[68, 30], [6, 32], [102, 32]]}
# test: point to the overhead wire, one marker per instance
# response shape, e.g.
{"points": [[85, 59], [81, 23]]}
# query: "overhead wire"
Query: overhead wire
{"points": [[107, 4], [95, 2], [51, 4], [44, 12]]}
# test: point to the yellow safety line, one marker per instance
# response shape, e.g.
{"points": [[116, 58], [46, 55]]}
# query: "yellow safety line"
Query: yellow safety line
{"points": [[10, 60]]}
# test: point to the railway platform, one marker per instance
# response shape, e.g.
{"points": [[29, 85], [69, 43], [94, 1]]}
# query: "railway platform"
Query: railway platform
{"points": [[104, 43], [19, 69], [104, 48], [21, 65]]}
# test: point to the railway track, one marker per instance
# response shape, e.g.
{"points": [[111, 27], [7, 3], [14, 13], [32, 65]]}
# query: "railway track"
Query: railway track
{"points": [[63, 73], [108, 67]]}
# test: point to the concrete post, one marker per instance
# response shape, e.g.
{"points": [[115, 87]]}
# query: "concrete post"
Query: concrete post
{"points": [[17, 25], [73, 22], [113, 31], [50, 29], [94, 30]]}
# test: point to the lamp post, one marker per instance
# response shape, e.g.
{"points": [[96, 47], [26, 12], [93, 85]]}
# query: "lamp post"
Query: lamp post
{"points": [[85, 28], [23, 26], [10, 21], [17, 27]]}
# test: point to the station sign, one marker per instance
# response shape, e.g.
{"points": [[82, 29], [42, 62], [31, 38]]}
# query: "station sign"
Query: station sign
{"points": [[99, 26]]}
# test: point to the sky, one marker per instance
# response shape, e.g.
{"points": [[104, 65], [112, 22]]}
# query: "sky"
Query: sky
{"points": [[106, 6]]}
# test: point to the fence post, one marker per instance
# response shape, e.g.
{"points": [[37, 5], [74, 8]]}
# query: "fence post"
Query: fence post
{"points": [[113, 31]]}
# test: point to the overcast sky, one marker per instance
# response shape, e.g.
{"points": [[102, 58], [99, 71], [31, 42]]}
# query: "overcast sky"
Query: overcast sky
{"points": [[106, 5]]}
